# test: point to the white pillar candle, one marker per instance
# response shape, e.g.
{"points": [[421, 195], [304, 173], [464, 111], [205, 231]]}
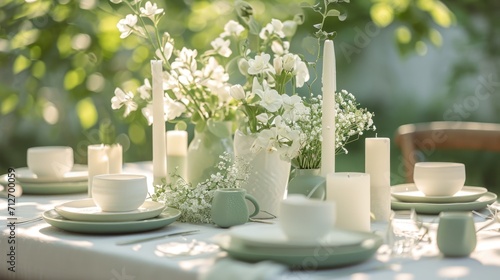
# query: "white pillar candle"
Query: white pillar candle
{"points": [[177, 147], [377, 164], [98, 163], [351, 193], [328, 110], [159, 147], [115, 155]]}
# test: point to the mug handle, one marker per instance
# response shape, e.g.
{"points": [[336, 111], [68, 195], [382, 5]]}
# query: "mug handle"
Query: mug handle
{"points": [[255, 204], [315, 188]]}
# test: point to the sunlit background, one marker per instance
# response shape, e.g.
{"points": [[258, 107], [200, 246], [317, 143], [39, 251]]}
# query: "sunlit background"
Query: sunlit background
{"points": [[408, 61]]}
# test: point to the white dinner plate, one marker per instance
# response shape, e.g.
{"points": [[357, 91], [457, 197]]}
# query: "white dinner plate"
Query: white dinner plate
{"points": [[410, 193], [168, 216], [87, 210], [436, 208], [273, 237], [77, 174], [307, 258]]}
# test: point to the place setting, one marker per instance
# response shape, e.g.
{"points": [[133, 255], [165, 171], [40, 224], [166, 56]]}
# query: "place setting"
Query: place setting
{"points": [[51, 170], [438, 187], [304, 230], [118, 205]]}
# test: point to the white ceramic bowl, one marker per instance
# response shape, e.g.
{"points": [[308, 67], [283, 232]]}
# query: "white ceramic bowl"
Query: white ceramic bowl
{"points": [[306, 219], [439, 178], [50, 161], [119, 192]]}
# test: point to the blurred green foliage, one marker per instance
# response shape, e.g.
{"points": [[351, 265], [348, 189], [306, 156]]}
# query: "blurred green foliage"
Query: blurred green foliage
{"points": [[62, 59]]}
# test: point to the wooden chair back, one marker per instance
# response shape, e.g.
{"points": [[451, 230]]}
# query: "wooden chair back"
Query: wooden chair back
{"points": [[413, 139]]}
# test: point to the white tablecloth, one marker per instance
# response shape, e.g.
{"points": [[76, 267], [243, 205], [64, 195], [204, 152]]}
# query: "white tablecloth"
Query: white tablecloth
{"points": [[45, 252]]}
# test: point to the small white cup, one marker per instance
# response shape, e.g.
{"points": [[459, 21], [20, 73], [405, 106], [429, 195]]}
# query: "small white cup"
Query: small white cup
{"points": [[439, 178], [306, 219], [119, 192], [50, 161]]}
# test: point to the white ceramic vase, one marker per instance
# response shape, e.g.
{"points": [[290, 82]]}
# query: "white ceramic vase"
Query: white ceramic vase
{"points": [[268, 175]]}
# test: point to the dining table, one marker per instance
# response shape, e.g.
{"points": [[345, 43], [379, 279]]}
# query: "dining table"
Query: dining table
{"points": [[37, 250]]}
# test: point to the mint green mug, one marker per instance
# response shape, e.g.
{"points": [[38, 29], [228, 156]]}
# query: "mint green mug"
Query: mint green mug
{"points": [[229, 207], [456, 234]]}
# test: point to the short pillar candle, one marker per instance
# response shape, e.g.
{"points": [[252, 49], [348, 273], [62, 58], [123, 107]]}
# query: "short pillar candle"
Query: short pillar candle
{"points": [[351, 193], [177, 147], [98, 163]]}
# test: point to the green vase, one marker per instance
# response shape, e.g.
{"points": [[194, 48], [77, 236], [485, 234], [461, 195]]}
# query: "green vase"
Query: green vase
{"points": [[206, 148], [308, 181]]}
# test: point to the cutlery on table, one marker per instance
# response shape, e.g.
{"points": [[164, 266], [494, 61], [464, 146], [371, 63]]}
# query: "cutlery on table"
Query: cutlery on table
{"points": [[182, 233]]}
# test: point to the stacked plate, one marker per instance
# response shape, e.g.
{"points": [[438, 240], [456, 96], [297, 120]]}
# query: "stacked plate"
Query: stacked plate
{"points": [[74, 181], [407, 196], [338, 248], [85, 217]]}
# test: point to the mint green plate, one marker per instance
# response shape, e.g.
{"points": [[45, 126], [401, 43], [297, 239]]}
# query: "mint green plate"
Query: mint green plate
{"points": [[168, 216], [436, 208], [309, 258], [54, 188]]}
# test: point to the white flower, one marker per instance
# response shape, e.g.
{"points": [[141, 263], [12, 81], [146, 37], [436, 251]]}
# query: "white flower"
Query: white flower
{"points": [[115, 1], [294, 107], [145, 90], [260, 64], [221, 46], [166, 51], [262, 117], [280, 48], [232, 28], [126, 25], [270, 99], [275, 27], [173, 109], [150, 10], [123, 99], [266, 139], [147, 112], [237, 92], [289, 62], [301, 72], [278, 65]]}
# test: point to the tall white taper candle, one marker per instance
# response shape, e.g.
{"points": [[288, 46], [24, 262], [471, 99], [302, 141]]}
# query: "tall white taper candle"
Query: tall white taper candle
{"points": [[159, 146], [377, 164], [328, 120]]}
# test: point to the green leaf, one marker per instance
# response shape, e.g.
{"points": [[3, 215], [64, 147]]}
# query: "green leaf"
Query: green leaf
{"points": [[333, 13]]}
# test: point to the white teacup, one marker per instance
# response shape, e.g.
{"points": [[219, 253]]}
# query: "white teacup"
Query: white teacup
{"points": [[439, 178], [50, 161], [119, 192], [302, 218]]}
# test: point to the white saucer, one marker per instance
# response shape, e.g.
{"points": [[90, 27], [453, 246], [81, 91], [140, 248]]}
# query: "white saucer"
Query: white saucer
{"points": [[273, 237], [86, 210], [77, 174], [410, 193]]}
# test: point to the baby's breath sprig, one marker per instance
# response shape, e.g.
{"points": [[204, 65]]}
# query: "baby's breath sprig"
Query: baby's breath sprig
{"points": [[350, 123], [195, 203]]}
